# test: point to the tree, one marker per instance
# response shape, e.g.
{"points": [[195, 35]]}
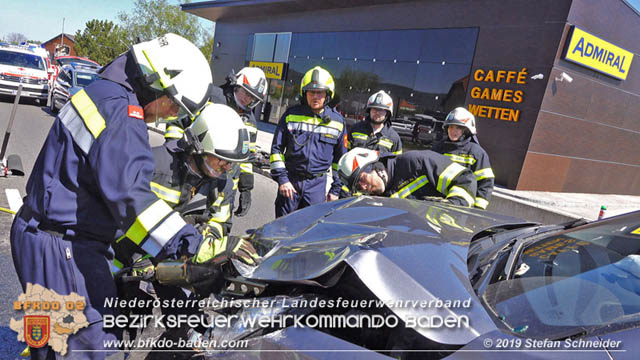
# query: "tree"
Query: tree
{"points": [[207, 48], [15, 38], [101, 41], [152, 18]]}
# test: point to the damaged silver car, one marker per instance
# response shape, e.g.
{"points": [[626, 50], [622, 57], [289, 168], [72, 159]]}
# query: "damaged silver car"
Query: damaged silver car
{"points": [[373, 277]]}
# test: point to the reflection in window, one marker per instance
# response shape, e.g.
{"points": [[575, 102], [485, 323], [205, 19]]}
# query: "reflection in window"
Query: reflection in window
{"points": [[249, 48], [449, 45], [425, 71], [263, 47], [281, 52]]}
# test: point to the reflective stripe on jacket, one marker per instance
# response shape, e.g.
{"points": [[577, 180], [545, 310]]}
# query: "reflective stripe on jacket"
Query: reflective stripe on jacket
{"points": [[93, 172], [306, 143], [468, 153], [185, 192], [386, 140], [418, 174]]}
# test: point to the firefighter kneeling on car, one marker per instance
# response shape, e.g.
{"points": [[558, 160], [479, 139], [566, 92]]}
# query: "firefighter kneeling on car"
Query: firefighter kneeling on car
{"points": [[414, 174]]}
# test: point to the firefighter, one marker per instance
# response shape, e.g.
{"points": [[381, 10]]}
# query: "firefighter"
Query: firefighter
{"points": [[461, 146], [375, 132], [185, 177], [90, 183], [309, 140], [414, 174], [242, 91], [188, 170]]}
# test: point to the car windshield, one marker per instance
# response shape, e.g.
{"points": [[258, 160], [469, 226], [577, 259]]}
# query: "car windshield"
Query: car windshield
{"points": [[14, 58], [84, 79], [65, 61], [573, 280]]}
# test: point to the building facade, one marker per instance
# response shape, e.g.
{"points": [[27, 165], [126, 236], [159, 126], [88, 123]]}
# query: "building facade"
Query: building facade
{"points": [[61, 44], [548, 120]]}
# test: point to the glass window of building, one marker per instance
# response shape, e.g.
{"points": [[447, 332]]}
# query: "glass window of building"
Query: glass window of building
{"points": [[425, 71], [249, 48], [263, 47], [281, 53]]}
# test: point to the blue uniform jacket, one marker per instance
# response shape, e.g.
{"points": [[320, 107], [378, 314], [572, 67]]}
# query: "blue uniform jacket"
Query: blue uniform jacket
{"points": [[385, 141], [306, 144], [425, 173], [470, 154], [92, 175]]}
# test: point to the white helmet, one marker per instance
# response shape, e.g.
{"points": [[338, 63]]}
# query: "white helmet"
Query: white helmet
{"points": [[380, 100], [353, 163], [173, 65], [461, 117], [253, 80], [219, 131]]}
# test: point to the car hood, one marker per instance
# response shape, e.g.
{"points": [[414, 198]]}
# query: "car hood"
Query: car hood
{"points": [[402, 250]]}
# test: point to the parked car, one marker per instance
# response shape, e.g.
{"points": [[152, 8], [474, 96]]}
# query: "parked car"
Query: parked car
{"points": [[419, 262], [426, 129], [66, 60], [26, 65], [71, 79], [403, 126], [60, 61]]}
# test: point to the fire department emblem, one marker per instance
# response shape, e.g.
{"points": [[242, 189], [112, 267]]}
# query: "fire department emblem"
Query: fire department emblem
{"points": [[36, 330], [245, 147]]}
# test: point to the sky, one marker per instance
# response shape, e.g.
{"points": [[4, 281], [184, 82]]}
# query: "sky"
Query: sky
{"points": [[41, 20]]}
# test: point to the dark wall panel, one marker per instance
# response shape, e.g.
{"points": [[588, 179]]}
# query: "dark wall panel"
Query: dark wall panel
{"points": [[593, 121], [565, 136], [544, 172], [563, 174]]}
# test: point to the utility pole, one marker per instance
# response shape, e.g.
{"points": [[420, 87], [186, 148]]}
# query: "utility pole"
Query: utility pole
{"points": [[62, 35]]}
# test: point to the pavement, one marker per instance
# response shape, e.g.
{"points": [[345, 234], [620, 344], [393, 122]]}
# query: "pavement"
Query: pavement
{"points": [[541, 206]]}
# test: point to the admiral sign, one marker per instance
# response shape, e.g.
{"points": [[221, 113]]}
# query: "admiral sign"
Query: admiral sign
{"points": [[271, 70], [599, 55]]}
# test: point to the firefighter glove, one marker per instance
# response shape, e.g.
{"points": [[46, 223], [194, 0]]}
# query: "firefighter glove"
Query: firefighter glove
{"points": [[209, 248], [143, 267], [242, 250], [245, 203]]}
